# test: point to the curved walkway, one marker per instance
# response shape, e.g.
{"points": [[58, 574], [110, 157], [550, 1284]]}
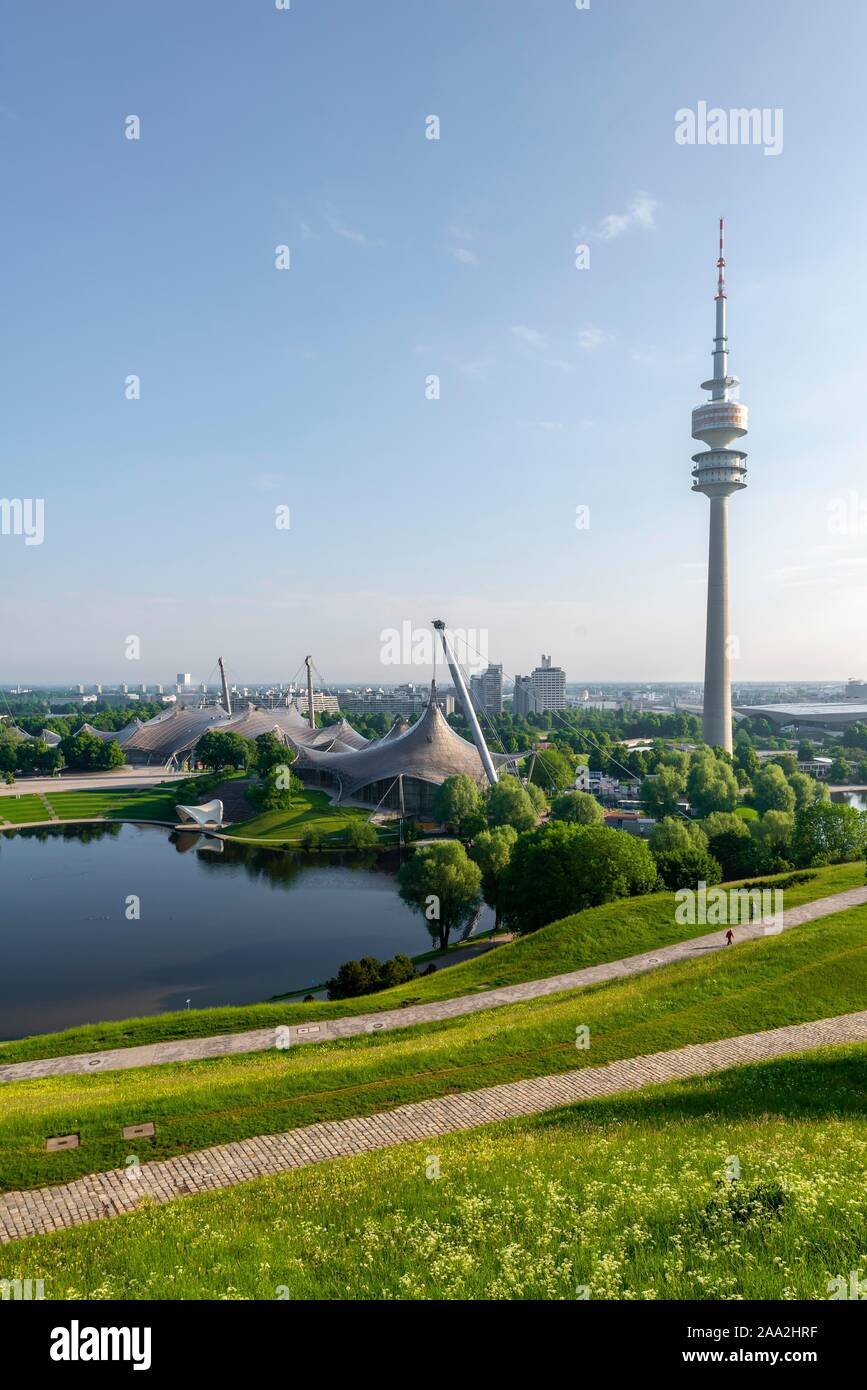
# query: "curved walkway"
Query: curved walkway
{"points": [[101, 1195], [329, 1029]]}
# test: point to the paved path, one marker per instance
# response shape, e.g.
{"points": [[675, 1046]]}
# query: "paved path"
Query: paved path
{"points": [[121, 780], [100, 1195], [325, 1030]]}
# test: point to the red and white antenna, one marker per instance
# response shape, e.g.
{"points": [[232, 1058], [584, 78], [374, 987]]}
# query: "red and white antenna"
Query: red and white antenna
{"points": [[721, 263]]}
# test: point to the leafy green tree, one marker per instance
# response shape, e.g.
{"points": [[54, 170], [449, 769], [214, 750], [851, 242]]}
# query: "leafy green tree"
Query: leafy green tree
{"points": [[788, 762], [270, 752], [661, 792], [578, 808], [680, 851], [553, 769], [277, 790], [83, 752], [443, 884], [492, 850], [771, 791], [215, 749], [775, 831], [509, 804], [732, 845], [805, 789], [537, 797], [828, 833], [362, 834], [369, 975], [745, 761], [806, 751], [711, 784], [456, 801], [839, 770], [560, 869]]}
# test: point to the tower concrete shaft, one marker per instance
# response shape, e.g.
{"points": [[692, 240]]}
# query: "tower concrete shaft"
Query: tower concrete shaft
{"points": [[311, 715], [718, 472]]}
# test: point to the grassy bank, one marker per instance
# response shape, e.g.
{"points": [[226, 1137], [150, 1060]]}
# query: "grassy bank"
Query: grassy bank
{"points": [[817, 970], [310, 811], [618, 929], [626, 1197]]}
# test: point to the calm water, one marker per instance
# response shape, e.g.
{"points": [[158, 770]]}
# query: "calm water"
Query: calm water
{"points": [[228, 927]]}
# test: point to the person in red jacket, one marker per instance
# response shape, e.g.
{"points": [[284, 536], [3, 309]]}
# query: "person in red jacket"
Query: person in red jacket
{"points": [[729, 937]]}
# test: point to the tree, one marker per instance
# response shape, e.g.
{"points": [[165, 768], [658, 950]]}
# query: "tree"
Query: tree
{"points": [[492, 850], [661, 792], [216, 750], [442, 883], [745, 760], [369, 975], [276, 790], [362, 833], [578, 808], [560, 869], [456, 800], [85, 752], [839, 770], [788, 762], [731, 844], [680, 851], [509, 804], [537, 797], [828, 833], [806, 751], [771, 791], [553, 769], [711, 784], [805, 789], [775, 831], [270, 752]]}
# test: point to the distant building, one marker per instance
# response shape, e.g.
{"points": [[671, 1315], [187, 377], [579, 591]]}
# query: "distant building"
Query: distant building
{"points": [[856, 690], [523, 696], [183, 678], [404, 700], [543, 690], [486, 690]]}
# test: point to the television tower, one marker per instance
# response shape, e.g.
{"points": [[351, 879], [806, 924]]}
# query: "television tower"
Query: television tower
{"points": [[718, 472]]}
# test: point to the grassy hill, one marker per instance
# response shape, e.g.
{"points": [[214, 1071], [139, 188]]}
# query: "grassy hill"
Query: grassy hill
{"points": [[815, 970], [626, 1197]]}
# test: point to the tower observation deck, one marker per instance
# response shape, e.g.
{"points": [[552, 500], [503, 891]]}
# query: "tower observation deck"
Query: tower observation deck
{"points": [[717, 472]]}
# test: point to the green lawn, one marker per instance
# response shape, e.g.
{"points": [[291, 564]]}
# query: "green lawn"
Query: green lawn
{"points": [[311, 810], [816, 970], [627, 1197], [21, 809], [621, 928]]}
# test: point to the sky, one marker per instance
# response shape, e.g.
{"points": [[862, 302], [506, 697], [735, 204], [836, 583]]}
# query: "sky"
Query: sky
{"points": [[303, 394]]}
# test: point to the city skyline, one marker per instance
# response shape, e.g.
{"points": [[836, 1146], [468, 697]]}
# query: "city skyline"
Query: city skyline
{"points": [[561, 388]]}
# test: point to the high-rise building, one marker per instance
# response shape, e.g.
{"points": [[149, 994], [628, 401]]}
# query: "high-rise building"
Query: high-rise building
{"points": [[718, 472], [183, 679], [549, 685], [486, 690], [524, 696]]}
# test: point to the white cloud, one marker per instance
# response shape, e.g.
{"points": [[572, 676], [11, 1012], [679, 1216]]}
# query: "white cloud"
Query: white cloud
{"points": [[641, 213], [590, 337], [463, 254], [528, 337], [351, 234]]}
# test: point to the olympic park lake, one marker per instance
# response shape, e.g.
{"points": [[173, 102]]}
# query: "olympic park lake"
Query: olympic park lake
{"points": [[219, 923]]}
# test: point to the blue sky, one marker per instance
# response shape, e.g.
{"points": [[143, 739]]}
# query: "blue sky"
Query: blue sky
{"points": [[412, 257]]}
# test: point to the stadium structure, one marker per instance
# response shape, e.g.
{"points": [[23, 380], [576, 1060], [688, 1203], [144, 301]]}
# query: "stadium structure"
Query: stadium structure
{"points": [[401, 770]]}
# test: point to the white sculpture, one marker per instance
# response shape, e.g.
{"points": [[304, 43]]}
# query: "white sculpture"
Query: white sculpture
{"points": [[210, 813]]}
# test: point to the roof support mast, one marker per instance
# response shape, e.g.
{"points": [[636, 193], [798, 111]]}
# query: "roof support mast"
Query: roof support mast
{"points": [[227, 699], [469, 711], [311, 717]]}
